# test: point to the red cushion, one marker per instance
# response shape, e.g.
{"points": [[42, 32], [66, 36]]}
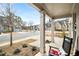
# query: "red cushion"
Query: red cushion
{"points": [[54, 52]]}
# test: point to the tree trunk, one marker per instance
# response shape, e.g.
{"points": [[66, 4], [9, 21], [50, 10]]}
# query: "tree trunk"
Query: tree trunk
{"points": [[11, 38]]}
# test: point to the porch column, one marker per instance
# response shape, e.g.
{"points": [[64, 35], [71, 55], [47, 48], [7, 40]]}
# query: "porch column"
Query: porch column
{"points": [[77, 29], [70, 28], [74, 32], [42, 33], [52, 31]]}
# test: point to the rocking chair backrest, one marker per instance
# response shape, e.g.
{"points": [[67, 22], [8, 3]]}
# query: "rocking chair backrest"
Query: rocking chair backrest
{"points": [[67, 45]]}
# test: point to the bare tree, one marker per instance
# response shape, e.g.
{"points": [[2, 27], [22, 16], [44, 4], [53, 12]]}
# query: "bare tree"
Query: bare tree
{"points": [[6, 11]]}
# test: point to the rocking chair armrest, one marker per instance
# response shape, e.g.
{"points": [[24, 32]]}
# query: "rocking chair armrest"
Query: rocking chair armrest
{"points": [[53, 47]]}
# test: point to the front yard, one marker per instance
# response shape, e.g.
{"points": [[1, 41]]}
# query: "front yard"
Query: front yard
{"points": [[20, 49]]}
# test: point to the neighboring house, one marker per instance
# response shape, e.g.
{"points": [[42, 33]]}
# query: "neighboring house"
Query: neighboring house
{"points": [[4, 25], [33, 27], [58, 26], [37, 27], [1, 24], [48, 26]]}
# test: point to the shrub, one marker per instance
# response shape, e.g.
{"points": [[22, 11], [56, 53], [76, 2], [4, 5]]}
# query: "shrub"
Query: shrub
{"points": [[16, 51], [34, 48], [47, 41], [0, 50], [24, 45], [2, 53]]}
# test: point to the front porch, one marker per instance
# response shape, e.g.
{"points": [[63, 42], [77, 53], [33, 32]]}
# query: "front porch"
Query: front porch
{"points": [[57, 11]]}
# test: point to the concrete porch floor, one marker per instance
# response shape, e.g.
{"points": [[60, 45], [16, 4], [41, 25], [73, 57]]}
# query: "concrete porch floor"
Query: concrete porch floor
{"points": [[58, 42]]}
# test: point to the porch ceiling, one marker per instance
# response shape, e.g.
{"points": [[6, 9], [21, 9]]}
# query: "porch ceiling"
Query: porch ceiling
{"points": [[56, 10]]}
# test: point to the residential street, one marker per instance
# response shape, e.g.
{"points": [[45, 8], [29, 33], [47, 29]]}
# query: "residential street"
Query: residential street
{"points": [[17, 36]]}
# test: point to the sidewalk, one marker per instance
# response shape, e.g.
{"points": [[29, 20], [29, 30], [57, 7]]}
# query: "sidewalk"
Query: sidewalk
{"points": [[7, 33]]}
